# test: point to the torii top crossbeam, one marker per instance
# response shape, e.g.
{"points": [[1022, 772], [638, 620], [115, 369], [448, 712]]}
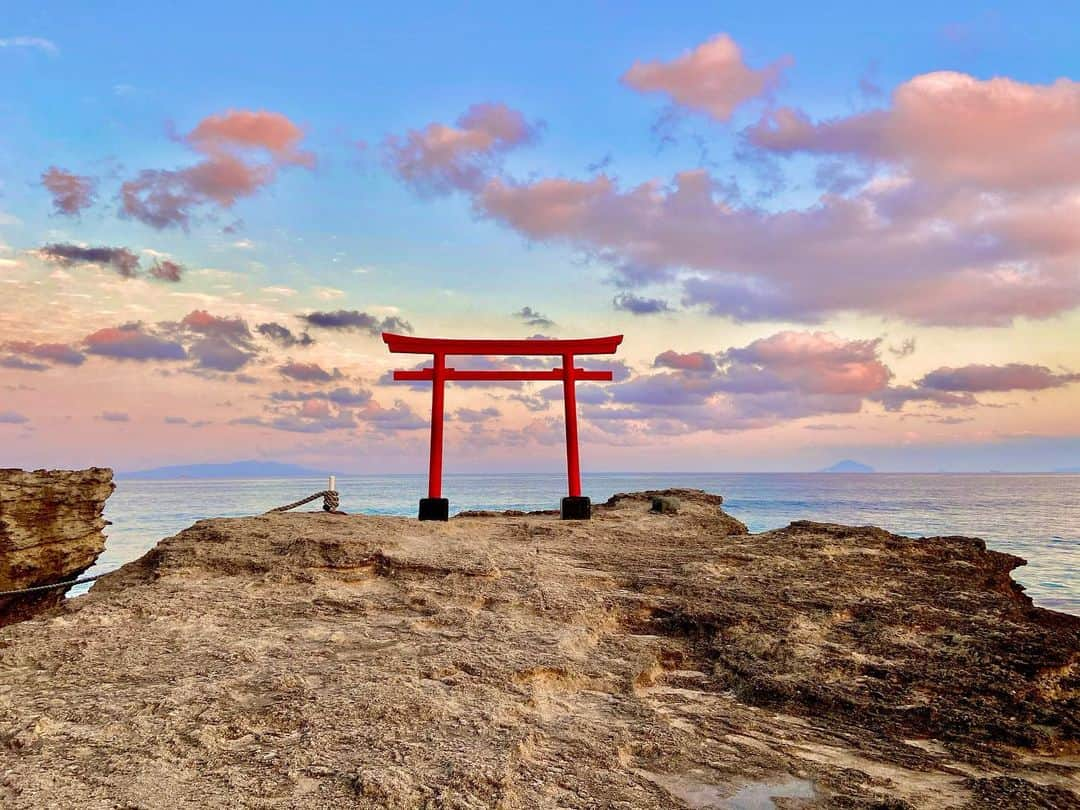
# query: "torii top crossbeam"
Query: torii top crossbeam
{"points": [[439, 373], [546, 347]]}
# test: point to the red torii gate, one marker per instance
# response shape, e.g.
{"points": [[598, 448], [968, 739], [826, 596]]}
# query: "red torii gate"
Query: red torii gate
{"points": [[434, 506]]}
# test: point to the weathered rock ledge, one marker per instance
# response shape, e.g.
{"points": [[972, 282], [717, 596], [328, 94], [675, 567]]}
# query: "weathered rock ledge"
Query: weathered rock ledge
{"points": [[50, 531], [638, 660]]}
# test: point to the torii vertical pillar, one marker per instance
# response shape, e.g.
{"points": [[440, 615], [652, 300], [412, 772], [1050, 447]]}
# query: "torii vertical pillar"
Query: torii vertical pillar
{"points": [[573, 506], [435, 507]]}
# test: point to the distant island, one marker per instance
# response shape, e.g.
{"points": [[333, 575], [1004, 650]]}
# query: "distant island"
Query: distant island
{"points": [[234, 469], [848, 466]]}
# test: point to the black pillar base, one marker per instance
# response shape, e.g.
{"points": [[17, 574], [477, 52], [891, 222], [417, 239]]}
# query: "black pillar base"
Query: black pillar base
{"points": [[575, 507], [434, 509]]}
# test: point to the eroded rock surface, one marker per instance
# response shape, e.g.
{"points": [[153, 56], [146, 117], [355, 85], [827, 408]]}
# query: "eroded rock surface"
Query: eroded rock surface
{"points": [[639, 660], [50, 531]]}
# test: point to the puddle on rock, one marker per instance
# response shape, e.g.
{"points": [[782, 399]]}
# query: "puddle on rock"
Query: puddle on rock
{"points": [[700, 795], [760, 795]]}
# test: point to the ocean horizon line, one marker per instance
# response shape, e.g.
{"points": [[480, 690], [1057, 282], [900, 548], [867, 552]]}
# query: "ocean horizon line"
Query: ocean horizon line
{"points": [[608, 473]]}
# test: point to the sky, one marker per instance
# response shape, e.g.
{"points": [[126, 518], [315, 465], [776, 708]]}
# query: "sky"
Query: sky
{"points": [[838, 230]]}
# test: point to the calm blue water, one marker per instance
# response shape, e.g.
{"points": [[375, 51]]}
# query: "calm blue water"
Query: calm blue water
{"points": [[1036, 517]]}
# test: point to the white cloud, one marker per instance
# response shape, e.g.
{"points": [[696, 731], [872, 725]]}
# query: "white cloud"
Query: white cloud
{"points": [[41, 44], [283, 291], [199, 298]]}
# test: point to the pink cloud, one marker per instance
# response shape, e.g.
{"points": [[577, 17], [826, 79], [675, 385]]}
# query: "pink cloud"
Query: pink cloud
{"points": [[998, 133], [315, 409], [122, 260], [440, 158], [71, 193], [213, 343], [816, 362], [897, 396], [230, 171], [893, 248], [400, 417], [552, 208], [246, 129], [224, 344], [219, 354], [318, 416], [131, 342], [1009, 377], [693, 361], [307, 372], [163, 198], [60, 353], [166, 270], [201, 321], [712, 78], [957, 205], [992, 165], [313, 420], [345, 397], [476, 415], [786, 376], [21, 364]]}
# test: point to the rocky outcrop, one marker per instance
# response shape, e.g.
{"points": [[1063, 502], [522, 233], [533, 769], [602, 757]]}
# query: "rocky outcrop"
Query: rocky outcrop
{"points": [[637, 660], [50, 531]]}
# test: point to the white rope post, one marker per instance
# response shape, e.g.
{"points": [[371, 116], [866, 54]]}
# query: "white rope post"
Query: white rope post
{"points": [[333, 483]]}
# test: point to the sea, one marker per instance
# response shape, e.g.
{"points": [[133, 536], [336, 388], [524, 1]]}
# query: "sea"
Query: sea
{"points": [[1036, 517]]}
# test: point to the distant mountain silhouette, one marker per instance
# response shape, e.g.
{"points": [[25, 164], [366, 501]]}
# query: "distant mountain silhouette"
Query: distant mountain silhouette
{"points": [[848, 466], [235, 469]]}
